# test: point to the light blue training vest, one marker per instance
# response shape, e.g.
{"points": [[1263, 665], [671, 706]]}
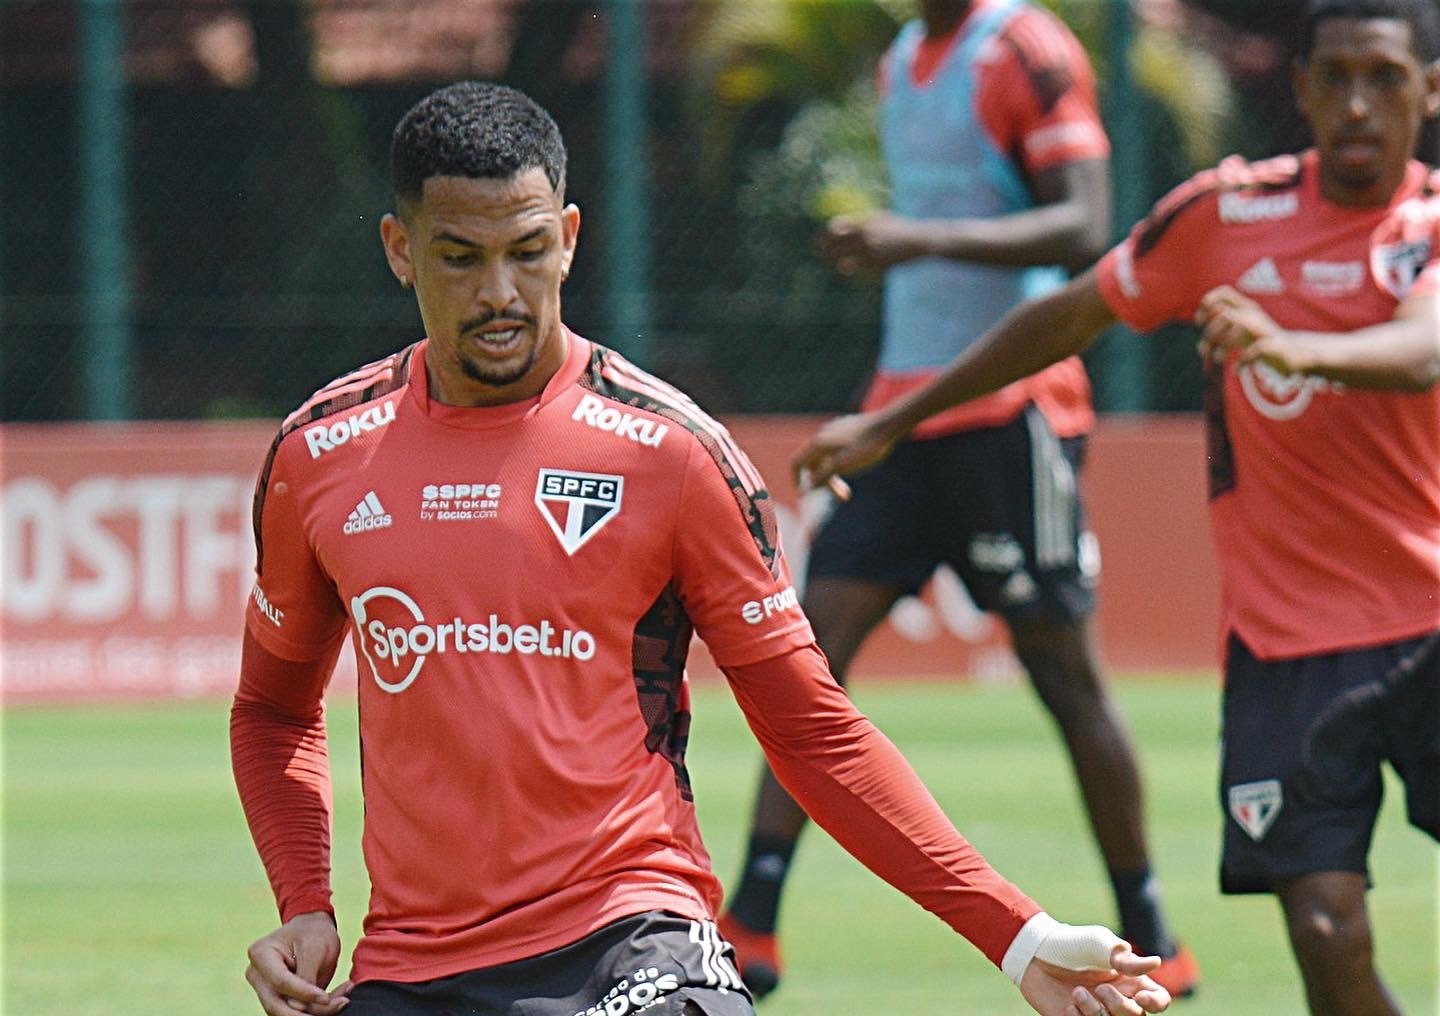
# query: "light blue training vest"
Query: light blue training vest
{"points": [[943, 166]]}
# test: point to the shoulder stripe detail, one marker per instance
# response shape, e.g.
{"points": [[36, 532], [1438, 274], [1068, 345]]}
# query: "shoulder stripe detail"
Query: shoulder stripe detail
{"points": [[626, 374], [1233, 176], [1036, 38], [363, 385], [331, 398], [611, 376], [1159, 221]]}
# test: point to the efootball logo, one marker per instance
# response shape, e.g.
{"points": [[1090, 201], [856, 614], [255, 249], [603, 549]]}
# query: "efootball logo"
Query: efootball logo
{"points": [[577, 505]]}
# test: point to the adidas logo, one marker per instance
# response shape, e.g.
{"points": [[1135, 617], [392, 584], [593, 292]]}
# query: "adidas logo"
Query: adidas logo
{"points": [[368, 514], [1262, 277]]}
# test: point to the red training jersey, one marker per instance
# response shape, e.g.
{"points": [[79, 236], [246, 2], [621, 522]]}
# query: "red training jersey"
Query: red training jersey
{"points": [[1325, 500], [520, 584]]}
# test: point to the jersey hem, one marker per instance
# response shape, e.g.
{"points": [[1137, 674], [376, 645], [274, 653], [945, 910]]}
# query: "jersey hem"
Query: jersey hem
{"points": [[418, 973], [1277, 652]]}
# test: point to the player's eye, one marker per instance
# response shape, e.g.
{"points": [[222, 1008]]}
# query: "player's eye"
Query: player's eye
{"points": [[1390, 77], [458, 259]]}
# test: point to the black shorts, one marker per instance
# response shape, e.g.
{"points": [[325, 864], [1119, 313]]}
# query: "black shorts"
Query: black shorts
{"points": [[1302, 742], [1000, 505], [652, 963]]}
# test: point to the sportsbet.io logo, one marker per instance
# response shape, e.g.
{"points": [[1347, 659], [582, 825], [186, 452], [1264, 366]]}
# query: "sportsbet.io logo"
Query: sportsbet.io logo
{"points": [[396, 639]]}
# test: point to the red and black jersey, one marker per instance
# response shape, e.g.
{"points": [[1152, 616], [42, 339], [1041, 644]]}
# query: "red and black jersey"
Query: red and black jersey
{"points": [[1325, 500], [520, 584]]}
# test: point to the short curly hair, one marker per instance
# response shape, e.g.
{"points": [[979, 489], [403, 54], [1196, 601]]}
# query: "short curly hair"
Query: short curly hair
{"points": [[474, 129], [1420, 15]]}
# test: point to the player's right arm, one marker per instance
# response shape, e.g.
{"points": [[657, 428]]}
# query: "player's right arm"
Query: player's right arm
{"points": [[293, 633], [1145, 281], [1029, 338]]}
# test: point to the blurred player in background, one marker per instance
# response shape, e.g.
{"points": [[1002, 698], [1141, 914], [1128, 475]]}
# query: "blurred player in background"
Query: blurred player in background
{"points": [[999, 174], [1315, 280], [520, 530]]}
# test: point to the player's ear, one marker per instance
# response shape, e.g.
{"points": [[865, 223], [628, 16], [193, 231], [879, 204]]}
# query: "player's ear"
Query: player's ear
{"points": [[1298, 83], [569, 233], [395, 238], [1432, 89]]}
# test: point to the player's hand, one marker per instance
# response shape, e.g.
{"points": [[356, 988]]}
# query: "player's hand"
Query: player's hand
{"points": [[846, 444], [290, 967], [870, 242], [1090, 971], [1231, 322]]}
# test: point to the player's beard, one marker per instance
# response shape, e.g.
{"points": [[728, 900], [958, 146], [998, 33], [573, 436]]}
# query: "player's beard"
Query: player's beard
{"points": [[499, 375], [495, 375]]}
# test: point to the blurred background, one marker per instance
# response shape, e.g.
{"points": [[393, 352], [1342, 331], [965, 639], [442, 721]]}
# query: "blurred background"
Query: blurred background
{"points": [[190, 189]]}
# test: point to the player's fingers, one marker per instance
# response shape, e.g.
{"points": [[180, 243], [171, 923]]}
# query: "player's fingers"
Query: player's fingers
{"points": [[1130, 963], [315, 959], [805, 465], [279, 978], [1153, 999], [271, 1000], [1222, 296], [1116, 1002]]}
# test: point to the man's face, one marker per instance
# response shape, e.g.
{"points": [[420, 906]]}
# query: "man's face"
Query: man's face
{"points": [[1365, 94], [487, 258]]}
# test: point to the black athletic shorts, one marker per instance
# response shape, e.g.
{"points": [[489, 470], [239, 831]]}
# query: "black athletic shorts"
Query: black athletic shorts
{"points": [[653, 963], [1000, 505], [1302, 742]]}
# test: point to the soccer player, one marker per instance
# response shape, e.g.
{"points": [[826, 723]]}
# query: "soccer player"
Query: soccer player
{"points": [[519, 531], [999, 173], [1314, 278]]}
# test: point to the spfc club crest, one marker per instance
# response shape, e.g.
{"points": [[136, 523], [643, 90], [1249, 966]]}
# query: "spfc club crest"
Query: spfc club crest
{"points": [[577, 505], [1398, 265], [1255, 806]]}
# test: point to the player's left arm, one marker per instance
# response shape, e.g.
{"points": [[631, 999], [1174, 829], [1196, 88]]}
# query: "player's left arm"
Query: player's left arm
{"points": [[857, 786], [1068, 226], [1402, 354]]}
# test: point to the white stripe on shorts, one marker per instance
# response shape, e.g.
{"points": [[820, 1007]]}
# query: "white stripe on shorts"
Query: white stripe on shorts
{"points": [[719, 971], [1054, 490]]}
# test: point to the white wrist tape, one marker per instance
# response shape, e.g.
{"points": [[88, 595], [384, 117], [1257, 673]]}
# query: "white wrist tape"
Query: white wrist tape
{"points": [[1087, 947]]}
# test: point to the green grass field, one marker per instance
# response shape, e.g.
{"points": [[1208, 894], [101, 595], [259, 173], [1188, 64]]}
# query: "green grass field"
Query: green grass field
{"points": [[130, 885]]}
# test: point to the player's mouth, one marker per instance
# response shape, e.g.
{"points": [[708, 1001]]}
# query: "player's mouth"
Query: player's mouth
{"points": [[1358, 150], [498, 340]]}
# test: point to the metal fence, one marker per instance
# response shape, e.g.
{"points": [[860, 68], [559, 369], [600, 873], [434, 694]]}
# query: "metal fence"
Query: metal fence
{"points": [[191, 189]]}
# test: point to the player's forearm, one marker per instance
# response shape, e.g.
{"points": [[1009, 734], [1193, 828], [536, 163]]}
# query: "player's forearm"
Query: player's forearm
{"points": [[857, 786], [281, 767], [1065, 233], [1029, 338], [1399, 355]]}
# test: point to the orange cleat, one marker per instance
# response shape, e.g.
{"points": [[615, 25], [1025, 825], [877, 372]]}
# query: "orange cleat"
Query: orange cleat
{"points": [[1178, 974], [757, 954]]}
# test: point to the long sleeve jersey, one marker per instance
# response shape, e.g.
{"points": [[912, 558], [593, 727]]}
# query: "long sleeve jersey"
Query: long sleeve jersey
{"points": [[520, 585]]}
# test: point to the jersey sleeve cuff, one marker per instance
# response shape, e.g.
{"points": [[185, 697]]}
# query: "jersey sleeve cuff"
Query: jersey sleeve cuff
{"points": [[1025, 944], [309, 903]]}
